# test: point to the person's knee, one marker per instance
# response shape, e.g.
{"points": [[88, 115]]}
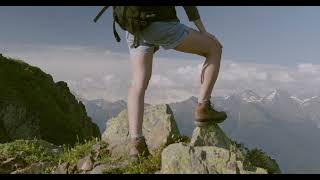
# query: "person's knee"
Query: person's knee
{"points": [[214, 49]]}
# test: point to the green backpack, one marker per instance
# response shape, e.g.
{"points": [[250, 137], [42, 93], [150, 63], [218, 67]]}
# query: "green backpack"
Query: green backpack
{"points": [[130, 18]]}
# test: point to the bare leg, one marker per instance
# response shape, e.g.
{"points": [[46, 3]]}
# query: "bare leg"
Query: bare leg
{"points": [[197, 43], [141, 70]]}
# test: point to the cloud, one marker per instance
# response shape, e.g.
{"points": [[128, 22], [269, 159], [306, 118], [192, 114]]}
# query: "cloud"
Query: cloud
{"points": [[189, 70], [161, 81], [282, 77], [235, 71], [308, 68], [100, 73]]}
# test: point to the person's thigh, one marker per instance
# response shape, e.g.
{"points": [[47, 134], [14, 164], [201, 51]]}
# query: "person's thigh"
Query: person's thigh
{"points": [[144, 46], [141, 69], [197, 43], [141, 62]]}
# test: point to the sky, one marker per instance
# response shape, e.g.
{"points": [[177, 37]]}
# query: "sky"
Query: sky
{"points": [[265, 47]]}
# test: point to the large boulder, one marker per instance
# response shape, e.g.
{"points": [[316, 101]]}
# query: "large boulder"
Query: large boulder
{"points": [[212, 152], [159, 128], [184, 159], [32, 106], [210, 136]]}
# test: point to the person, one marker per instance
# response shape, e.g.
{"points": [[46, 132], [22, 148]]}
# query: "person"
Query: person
{"points": [[171, 34]]}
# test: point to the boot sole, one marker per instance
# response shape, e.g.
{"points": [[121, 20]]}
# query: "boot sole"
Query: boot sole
{"points": [[207, 122]]}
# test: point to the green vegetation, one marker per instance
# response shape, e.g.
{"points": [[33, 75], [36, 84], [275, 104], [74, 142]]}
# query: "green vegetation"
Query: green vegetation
{"points": [[258, 158], [31, 151], [34, 151], [73, 154], [47, 107]]}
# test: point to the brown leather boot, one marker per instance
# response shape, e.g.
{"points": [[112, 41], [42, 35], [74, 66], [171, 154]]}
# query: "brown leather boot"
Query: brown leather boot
{"points": [[205, 114], [138, 148]]}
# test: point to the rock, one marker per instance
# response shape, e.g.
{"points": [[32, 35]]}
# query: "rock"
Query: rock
{"points": [[35, 168], [99, 169], [212, 152], [184, 159], [211, 135], [85, 164], [11, 164], [72, 168], [159, 128], [62, 169], [96, 147], [255, 170], [110, 167], [99, 149]]}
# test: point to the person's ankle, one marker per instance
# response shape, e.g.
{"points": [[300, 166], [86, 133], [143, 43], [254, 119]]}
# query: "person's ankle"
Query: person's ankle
{"points": [[137, 137], [204, 100]]}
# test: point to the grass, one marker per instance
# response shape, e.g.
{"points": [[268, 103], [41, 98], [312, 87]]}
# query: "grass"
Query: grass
{"points": [[146, 165], [80, 150], [34, 151], [257, 158], [149, 165], [28, 151]]}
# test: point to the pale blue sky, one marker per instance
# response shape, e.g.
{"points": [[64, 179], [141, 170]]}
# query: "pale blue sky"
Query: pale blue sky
{"points": [[269, 35]]}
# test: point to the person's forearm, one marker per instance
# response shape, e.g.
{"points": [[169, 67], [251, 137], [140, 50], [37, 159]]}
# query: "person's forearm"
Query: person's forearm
{"points": [[199, 25]]}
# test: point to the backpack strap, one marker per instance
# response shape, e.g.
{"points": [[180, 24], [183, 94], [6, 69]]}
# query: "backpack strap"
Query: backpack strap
{"points": [[136, 40], [115, 33]]}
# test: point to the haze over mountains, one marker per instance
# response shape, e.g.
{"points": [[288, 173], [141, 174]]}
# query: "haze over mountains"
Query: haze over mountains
{"points": [[285, 126]]}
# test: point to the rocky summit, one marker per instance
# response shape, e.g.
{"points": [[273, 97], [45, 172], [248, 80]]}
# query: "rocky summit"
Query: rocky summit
{"points": [[159, 128], [209, 151], [32, 105], [212, 152]]}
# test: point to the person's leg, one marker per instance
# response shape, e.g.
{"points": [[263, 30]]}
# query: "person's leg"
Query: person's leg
{"points": [[141, 70], [197, 43]]}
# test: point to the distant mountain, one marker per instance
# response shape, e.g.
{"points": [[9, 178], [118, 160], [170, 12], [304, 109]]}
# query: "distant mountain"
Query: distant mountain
{"points": [[281, 106], [101, 110], [283, 126], [286, 127], [184, 113], [250, 96], [311, 107], [32, 105]]}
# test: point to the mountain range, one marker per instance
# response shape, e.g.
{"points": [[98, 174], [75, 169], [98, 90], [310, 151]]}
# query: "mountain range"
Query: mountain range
{"points": [[285, 126]]}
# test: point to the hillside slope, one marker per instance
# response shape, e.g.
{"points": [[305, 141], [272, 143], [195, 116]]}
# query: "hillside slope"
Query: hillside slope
{"points": [[32, 105]]}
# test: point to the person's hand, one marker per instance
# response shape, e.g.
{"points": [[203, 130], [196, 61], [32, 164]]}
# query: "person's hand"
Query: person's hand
{"points": [[212, 37], [202, 30]]}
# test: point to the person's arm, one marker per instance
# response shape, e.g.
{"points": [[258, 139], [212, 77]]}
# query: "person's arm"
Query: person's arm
{"points": [[192, 12], [200, 25]]}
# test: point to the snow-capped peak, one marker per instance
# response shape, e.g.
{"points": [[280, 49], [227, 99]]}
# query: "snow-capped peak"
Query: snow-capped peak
{"points": [[277, 93], [250, 96], [308, 100], [297, 99], [271, 95]]}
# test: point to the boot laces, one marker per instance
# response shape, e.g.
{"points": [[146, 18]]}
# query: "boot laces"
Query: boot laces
{"points": [[211, 106]]}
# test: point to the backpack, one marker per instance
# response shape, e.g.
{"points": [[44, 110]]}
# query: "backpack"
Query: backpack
{"points": [[131, 18]]}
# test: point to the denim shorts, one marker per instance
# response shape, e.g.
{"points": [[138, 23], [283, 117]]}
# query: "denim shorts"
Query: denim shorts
{"points": [[167, 34]]}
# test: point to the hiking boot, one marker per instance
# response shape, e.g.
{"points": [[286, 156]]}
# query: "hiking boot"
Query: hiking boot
{"points": [[138, 148], [205, 114]]}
